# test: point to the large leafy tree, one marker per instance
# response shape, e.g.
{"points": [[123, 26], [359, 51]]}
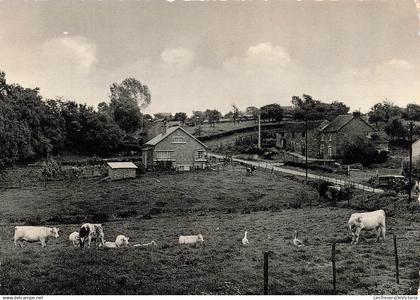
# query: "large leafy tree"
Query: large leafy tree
{"points": [[272, 112], [180, 116], [127, 100], [212, 115], [412, 112], [307, 108]]}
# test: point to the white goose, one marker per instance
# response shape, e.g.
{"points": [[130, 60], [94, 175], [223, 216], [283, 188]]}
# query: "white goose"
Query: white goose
{"points": [[245, 239], [418, 291], [296, 241]]}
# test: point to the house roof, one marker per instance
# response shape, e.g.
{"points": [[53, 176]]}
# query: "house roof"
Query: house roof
{"points": [[122, 165], [340, 121], [160, 137]]}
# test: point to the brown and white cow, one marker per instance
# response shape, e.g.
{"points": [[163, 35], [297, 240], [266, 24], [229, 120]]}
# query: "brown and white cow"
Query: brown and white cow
{"points": [[89, 232]]}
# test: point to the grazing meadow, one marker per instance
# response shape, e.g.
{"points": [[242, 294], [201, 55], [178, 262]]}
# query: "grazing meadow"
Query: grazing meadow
{"points": [[221, 205]]}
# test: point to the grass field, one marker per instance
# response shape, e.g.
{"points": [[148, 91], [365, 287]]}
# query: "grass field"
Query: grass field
{"points": [[162, 206]]}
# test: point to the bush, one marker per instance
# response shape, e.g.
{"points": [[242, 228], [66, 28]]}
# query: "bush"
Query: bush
{"points": [[100, 217], [127, 213], [358, 150]]}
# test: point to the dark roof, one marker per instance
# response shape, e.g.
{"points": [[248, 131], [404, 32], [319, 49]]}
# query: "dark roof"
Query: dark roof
{"points": [[160, 137], [341, 121]]}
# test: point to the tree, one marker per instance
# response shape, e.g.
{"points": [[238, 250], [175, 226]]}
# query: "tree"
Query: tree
{"points": [[127, 98], [395, 128], [212, 115], [311, 109], [412, 112], [236, 113], [254, 111], [131, 88], [359, 150], [271, 112], [383, 112], [198, 117], [180, 116]]}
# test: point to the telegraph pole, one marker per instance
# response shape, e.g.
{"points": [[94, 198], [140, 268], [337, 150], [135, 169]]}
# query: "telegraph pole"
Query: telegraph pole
{"points": [[259, 131], [306, 148], [411, 161]]}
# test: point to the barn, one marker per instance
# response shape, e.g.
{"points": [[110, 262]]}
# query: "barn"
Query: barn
{"points": [[121, 170]]}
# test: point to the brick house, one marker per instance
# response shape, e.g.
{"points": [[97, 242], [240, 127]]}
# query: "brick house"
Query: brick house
{"points": [[346, 127], [177, 147], [292, 137]]}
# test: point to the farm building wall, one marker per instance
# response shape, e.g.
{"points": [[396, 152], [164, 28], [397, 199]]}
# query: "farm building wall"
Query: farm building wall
{"points": [[184, 151], [117, 174], [355, 128]]}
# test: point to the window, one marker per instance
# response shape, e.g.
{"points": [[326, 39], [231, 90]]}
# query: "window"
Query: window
{"points": [[321, 150], [303, 134], [329, 151], [178, 140], [322, 137], [293, 134], [163, 155], [200, 154], [330, 137]]}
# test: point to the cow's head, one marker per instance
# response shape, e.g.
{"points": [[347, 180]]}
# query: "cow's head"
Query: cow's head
{"points": [[200, 237], [54, 232]]}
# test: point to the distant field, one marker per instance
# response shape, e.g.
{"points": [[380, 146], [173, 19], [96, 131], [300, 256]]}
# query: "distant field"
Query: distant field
{"points": [[190, 203], [206, 129]]}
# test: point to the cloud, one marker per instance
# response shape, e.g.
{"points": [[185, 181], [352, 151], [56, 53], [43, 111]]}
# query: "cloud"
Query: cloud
{"points": [[261, 57], [70, 52], [397, 64], [178, 58]]}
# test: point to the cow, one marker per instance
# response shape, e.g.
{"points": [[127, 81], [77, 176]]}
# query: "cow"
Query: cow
{"points": [[89, 232], [121, 241], [75, 239], [250, 170], [190, 239], [34, 234], [374, 220]]}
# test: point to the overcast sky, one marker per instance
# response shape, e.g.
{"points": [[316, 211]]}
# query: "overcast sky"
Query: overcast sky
{"points": [[198, 55]]}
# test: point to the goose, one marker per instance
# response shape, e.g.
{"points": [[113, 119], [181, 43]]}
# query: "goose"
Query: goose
{"points": [[245, 239], [418, 291], [296, 241]]}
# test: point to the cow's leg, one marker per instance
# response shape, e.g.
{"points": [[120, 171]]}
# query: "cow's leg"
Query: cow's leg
{"points": [[357, 234], [378, 233], [383, 232], [43, 244], [89, 240]]}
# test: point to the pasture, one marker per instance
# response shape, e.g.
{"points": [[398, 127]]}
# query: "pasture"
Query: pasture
{"points": [[161, 207]]}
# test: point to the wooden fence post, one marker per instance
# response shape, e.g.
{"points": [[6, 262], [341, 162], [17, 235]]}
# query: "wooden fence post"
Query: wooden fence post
{"points": [[265, 273], [333, 268], [397, 269]]}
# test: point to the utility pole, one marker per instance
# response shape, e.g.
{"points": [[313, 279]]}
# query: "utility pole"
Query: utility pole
{"points": [[259, 131], [306, 148], [411, 161]]}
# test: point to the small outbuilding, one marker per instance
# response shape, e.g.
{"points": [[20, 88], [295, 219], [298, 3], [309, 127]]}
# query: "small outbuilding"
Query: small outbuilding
{"points": [[121, 170]]}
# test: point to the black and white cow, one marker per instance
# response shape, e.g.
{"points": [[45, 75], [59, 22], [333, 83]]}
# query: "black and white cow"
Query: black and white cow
{"points": [[89, 232]]}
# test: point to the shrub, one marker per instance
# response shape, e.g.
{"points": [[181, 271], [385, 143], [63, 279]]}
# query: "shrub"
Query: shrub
{"points": [[100, 217], [127, 213]]}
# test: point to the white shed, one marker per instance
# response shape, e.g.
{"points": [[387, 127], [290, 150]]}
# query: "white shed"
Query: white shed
{"points": [[121, 170]]}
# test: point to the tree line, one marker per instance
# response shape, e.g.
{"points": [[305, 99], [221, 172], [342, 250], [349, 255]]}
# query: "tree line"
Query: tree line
{"points": [[31, 127]]}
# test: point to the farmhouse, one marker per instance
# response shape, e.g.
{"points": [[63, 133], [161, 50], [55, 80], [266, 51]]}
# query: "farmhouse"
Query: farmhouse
{"points": [[347, 127], [176, 147], [121, 170], [292, 137], [325, 138]]}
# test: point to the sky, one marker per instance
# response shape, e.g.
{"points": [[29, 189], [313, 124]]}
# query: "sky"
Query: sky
{"points": [[195, 55]]}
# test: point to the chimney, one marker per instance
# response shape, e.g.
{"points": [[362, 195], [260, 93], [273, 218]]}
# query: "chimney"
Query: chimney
{"points": [[356, 114]]}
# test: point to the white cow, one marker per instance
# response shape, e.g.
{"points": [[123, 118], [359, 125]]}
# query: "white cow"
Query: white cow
{"points": [[34, 234], [89, 232], [374, 220], [190, 239], [120, 241], [75, 239]]}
